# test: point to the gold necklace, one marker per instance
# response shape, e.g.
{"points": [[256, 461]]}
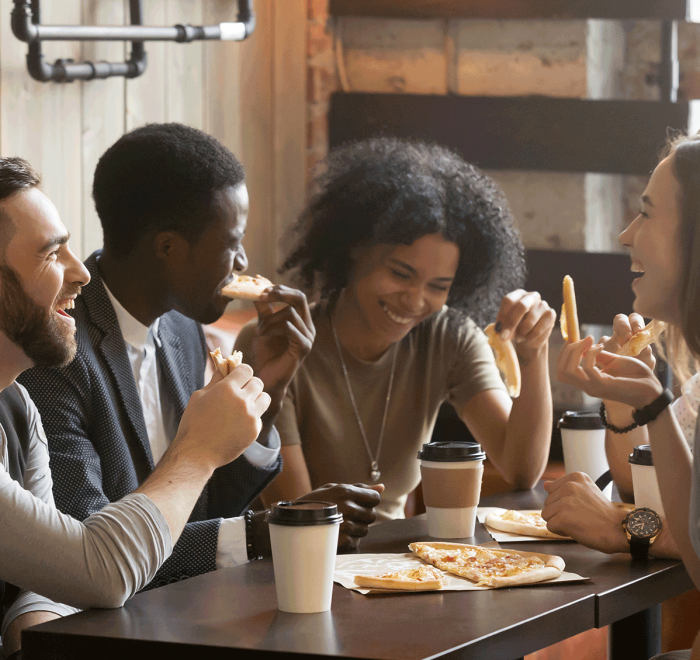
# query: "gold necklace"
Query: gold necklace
{"points": [[374, 474]]}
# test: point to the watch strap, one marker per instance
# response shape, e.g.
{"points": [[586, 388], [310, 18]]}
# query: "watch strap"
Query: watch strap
{"points": [[653, 410], [639, 548]]}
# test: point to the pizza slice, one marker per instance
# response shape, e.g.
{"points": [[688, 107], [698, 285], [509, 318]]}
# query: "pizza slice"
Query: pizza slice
{"points": [[527, 523], [423, 578], [226, 365], [246, 287], [506, 360], [489, 567], [645, 337]]}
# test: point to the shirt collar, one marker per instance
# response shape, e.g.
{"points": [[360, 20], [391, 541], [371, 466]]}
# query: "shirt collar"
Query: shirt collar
{"points": [[135, 333]]}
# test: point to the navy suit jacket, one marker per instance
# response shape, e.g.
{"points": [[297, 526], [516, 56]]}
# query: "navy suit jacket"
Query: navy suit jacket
{"points": [[98, 443]]}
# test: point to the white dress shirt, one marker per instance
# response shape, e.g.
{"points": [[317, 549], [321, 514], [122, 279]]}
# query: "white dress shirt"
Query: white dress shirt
{"points": [[161, 421]]}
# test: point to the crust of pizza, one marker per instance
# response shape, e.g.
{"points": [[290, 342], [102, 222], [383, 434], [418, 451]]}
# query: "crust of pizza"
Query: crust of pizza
{"points": [[506, 360], [246, 287], [508, 568], [568, 321], [527, 523], [226, 365], [645, 337], [424, 578]]}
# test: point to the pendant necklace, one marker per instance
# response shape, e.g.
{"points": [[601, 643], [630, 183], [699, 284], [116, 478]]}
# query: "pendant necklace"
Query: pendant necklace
{"points": [[375, 474]]}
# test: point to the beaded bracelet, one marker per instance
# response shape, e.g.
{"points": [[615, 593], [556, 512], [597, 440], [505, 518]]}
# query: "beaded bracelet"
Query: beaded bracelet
{"points": [[612, 428], [249, 544]]}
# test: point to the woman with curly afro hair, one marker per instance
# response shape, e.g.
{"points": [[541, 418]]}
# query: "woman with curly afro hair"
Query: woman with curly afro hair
{"points": [[408, 251]]}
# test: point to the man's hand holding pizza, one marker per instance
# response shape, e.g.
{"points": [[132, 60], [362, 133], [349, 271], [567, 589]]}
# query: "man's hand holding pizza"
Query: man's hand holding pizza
{"points": [[282, 340]]}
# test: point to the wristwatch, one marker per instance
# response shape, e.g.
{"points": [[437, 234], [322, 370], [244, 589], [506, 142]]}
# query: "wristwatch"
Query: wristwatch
{"points": [[641, 526]]}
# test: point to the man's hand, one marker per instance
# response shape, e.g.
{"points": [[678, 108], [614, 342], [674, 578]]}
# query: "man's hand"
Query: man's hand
{"points": [[356, 503], [576, 507], [11, 642], [223, 418], [282, 340]]}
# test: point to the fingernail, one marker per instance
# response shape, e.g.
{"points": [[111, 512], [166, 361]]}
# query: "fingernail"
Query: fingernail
{"points": [[499, 326]]}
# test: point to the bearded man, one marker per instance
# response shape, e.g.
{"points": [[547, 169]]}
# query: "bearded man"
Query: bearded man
{"points": [[117, 551]]}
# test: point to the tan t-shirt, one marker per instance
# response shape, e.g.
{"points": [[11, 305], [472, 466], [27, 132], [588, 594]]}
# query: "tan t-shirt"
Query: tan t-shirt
{"points": [[444, 358]]}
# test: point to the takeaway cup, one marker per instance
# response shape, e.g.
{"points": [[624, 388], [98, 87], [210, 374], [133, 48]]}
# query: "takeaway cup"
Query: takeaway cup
{"points": [[646, 487], [451, 474], [304, 540], [583, 442]]}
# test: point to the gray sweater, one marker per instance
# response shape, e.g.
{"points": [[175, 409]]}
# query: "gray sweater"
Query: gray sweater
{"points": [[97, 563]]}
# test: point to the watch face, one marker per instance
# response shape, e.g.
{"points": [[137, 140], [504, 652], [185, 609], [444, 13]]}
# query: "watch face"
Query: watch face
{"points": [[643, 523]]}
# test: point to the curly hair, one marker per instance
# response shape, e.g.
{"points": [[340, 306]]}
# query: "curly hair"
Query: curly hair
{"points": [[163, 177], [389, 190]]}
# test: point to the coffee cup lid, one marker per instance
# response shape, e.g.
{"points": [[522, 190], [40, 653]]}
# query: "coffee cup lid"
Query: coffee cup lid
{"points": [[448, 452], [581, 420], [641, 455], [304, 512]]}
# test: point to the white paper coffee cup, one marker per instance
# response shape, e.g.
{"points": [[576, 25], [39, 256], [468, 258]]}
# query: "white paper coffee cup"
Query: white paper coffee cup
{"points": [[451, 474], [583, 442], [644, 481], [304, 540]]}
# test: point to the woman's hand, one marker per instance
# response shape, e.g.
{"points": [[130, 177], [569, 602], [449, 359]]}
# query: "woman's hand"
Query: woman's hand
{"points": [[527, 320], [607, 376], [623, 328]]}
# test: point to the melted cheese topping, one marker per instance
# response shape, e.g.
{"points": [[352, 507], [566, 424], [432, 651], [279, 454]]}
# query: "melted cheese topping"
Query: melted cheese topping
{"points": [[480, 562], [534, 519], [415, 574]]}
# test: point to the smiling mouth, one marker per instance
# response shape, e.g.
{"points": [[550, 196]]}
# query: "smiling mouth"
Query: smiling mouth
{"points": [[400, 320], [64, 305]]}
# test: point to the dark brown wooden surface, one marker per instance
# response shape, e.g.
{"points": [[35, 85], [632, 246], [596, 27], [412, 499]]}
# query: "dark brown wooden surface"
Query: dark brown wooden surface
{"points": [[513, 9], [517, 133], [236, 608]]}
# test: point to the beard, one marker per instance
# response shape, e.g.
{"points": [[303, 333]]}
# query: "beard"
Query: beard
{"points": [[36, 330]]}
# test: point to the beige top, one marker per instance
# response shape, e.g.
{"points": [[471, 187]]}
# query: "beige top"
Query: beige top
{"points": [[444, 358]]}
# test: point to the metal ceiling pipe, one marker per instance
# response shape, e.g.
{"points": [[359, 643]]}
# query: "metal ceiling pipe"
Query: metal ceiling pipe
{"points": [[26, 26]]}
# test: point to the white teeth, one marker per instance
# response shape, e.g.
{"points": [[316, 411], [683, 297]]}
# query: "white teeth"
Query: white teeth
{"points": [[395, 318]]}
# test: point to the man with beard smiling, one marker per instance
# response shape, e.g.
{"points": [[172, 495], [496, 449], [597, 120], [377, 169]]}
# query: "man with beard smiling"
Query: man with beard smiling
{"points": [[173, 204], [115, 552]]}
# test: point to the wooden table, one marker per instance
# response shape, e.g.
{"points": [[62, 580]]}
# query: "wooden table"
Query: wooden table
{"points": [[236, 608]]}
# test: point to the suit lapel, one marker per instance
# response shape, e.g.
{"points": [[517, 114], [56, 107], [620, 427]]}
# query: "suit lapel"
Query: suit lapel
{"points": [[113, 350], [173, 365]]}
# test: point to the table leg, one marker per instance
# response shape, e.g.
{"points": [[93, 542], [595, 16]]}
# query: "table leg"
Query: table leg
{"points": [[637, 637]]}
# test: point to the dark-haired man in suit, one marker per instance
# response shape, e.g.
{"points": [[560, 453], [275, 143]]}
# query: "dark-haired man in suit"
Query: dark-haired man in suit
{"points": [[173, 206]]}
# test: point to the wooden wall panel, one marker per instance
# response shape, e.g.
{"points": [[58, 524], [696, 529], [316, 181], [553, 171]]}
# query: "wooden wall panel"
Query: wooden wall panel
{"points": [[102, 112], [256, 149], [289, 118], [222, 81], [249, 95], [146, 95], [31, 116], [183, 67]]}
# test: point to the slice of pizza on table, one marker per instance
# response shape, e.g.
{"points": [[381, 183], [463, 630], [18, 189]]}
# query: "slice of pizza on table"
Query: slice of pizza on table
{"points": [[525, 523], [488, 567], [423, 578]]}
